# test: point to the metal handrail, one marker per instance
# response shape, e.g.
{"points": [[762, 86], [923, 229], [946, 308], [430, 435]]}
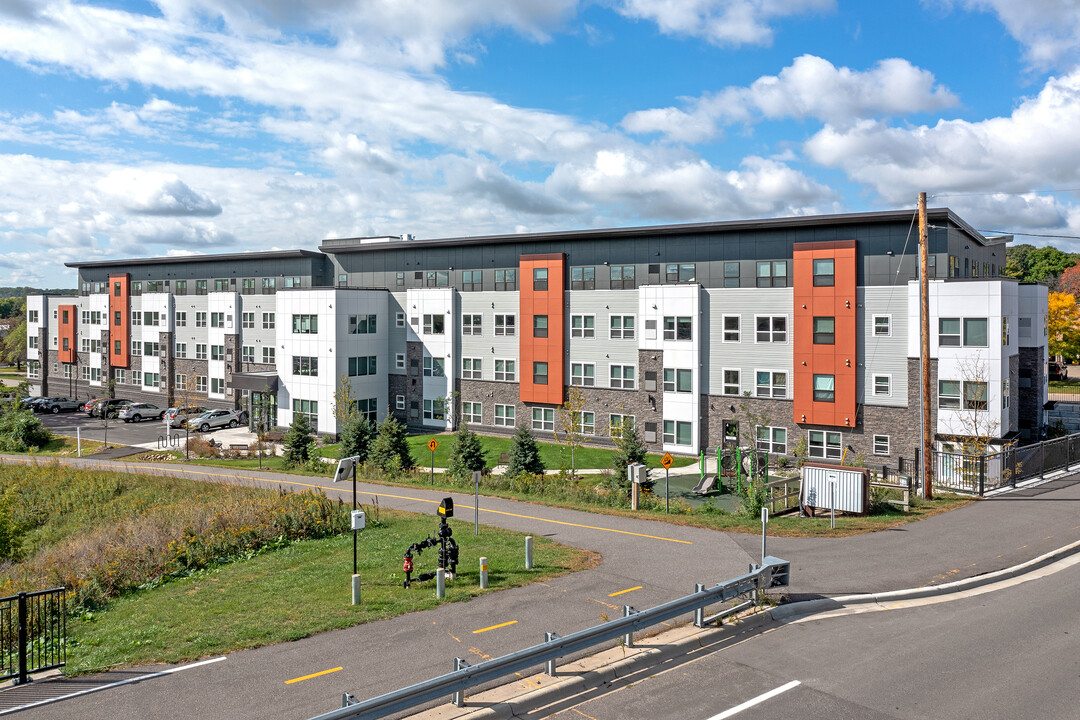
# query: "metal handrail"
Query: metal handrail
{"points": [[773, 572]]}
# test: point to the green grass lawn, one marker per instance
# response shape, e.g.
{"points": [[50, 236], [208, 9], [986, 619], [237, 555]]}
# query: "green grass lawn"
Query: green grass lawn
{"points": [[1065, 386], [302, 589], [62, 446]]}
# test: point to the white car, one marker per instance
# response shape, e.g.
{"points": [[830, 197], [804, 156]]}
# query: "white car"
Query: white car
{"points": [[213, 419]]}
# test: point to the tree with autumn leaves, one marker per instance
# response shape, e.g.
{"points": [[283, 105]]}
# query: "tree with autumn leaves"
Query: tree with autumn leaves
{"points": [[1063, 325]]}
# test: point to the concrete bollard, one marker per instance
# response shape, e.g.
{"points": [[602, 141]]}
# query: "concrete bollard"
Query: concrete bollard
{"points": [[528, 552], [440, 583], [483, 573], [356, 589]]}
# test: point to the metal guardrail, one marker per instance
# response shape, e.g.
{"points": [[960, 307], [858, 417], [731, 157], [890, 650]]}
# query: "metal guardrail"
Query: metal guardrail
{"points": [[33, 633], [978, 474], [773, 572]]}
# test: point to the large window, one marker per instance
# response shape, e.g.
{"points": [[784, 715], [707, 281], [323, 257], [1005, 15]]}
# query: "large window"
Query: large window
{"points": [[772, 273], [307, 407], [582, 326], [682, 273], [824, 330], [217, 319], [363, 365], [540, 326], [771, 384], [540, 278], [618, 423], [217, 352], [731, 274], [825, 445], [975, 395], [678, 380], [583, 374], [268, 321], [505, 370], [472, 281], [824, 272], [434, 367], [540, 373], [622, 327], [505, 325], [543, 419], [677, 432], [678, 328], [269, 286], [472, 412], [247, 353], [824, 388], [269, 355], [217, 385], [472, 324], [434, 409], [622, 277], [506, 280], [438, 278], [949, 332], [505, 415], [770, 439], [200, 319], [247, 286], [472, 368], [771, 328], [583, 278], [305, 324], [247, 320], [435, 324], [362, 325], [368, 408], [200, 351], [975, 334], [622, 376], [949, 394]]}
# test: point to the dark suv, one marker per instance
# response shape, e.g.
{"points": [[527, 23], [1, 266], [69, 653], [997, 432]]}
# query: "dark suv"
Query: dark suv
{"points": [[1057, 371], [109, 408]]}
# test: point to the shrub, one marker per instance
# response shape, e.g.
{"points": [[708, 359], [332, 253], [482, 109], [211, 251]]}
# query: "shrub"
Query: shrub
{"points": [[20, 430], [357, 434], [389, 451], [468, 456], [299, 441], [628, 449], [524, 454]]}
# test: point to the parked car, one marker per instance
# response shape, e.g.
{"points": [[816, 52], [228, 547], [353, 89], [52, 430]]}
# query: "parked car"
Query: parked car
{"points": [[213, 419], [29, 401], [1057, 371], [88, 407], [108, 408], [137, 412], [178, 416], [57, 405]]}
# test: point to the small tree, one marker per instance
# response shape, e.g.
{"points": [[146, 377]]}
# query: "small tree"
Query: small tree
{"points": [[1063, 325], [628, 449], [570, 429], [20, 430], [356, 435], [389, 451], [524, 454], [299, 442], [344, 402], [468, 455]]}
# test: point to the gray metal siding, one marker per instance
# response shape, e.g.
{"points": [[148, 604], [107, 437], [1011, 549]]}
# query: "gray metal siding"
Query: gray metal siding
{"points": [[487, 346], [882, 355], [601, 350], [746, 355]]}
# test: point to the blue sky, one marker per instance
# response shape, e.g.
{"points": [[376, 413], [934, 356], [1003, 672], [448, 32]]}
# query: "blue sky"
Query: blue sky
{"points": [[131, 129]]}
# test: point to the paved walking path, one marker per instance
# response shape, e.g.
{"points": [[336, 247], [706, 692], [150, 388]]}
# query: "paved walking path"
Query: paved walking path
{"points": [[647, 562]]}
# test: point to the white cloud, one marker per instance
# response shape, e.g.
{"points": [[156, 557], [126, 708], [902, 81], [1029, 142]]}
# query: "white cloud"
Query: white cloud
{"points": [[811, 87], [1049, 28], [722, 22], [144, 192]]}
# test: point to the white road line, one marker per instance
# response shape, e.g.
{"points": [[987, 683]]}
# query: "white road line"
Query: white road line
{"points": [[112, 685], [756, 701]]}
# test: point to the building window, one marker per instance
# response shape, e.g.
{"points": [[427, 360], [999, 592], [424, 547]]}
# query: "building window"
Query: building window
{"points": [[269, 356], [881, 444], [217, 320], [882, 385], [585, 422], [305, 324], [217, 352], [363, 365], [583, 278], [949, 394], [882, 325], [678, 380], [505, 370], [368, 408], [504, 415], [677, 432], [269, 286], [200, 320], [136, 319], [678, 328], [543, 419], [772, 273], [540, 373], [771, 439], [472, 412], [618, 423], [219, 285], [434, 409], [471, 281], [472, 324], [949, 332], [824, 272], [824, 331], [540, 279], [200, 383], [975, 334], [622, 327], [151, 380], [399, 402], [732, 328], [1005, 330], [622, 277], [975, 395], [583, 374], [151, 349], [622, 376], [200, 287], [771, 328], [200, 351], [435, 324], [136, 377], [180, 287], [181, 382], [771, 384], [472, 369], [434, 367], [1005, 393], [506, 280], [505, 324], [540, 326], [824, 388], [438, 278], [268, 321], [399, 319], [307, 407], [247, 353], [582, 326], [247, 320], [682, 273], [247, 286], [399, 361], [825, 445], [136, 346], [731, 274], [291, 282], [732, 382], [362, 325]]}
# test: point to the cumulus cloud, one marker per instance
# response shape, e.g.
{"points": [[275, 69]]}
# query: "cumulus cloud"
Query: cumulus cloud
{"points": [[811, 87], [722, 22], [1050, 29], [151, 193]]}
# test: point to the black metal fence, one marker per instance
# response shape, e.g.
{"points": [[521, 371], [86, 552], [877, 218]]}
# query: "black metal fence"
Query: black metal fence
{"points": [[33, 633], [979, 474]]}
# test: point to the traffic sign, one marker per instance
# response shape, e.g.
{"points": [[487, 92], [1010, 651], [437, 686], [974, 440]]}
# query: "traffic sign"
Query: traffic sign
{"points": [[432, 444], [665, 461]]}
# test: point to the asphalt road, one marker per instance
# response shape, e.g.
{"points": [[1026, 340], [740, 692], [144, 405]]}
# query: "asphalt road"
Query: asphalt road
{"points": [[661, 561], [119, 432], [1006, 654]]}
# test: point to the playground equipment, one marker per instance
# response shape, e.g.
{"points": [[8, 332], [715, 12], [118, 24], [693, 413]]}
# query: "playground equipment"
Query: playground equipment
{"points": [[443, 537]]}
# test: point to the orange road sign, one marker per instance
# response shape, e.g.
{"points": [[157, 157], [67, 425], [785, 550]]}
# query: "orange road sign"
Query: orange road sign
{"points": [[432, 444], [665, 461]]}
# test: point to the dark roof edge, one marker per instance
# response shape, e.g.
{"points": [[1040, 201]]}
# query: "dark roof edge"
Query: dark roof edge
{"points": [[226, 257]]}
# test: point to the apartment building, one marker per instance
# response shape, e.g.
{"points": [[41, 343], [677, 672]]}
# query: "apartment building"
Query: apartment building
{"points": [[779, 332]]}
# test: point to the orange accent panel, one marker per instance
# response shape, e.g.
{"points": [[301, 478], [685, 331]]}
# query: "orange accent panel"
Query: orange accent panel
{"points": [[119, 303], [551, 349], [66, 331], [839, 359]]}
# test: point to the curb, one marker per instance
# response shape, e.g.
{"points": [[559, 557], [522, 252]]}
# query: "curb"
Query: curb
{"points": [[810, 607]]}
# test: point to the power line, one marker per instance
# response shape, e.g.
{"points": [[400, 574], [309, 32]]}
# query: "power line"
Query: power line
{"points": [[1006, 192]]}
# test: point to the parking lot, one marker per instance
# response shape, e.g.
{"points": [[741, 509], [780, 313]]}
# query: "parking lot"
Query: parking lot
{"points": [[145, 434]]}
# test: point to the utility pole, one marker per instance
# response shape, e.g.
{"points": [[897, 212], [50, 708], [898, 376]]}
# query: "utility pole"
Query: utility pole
{"points": [[924, 353]]}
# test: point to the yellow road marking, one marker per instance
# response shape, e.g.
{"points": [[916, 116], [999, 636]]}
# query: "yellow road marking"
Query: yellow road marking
{"points": [[494, 627], [456, 638], [526, 679], [621, 592], [613, 607], [590, 717], [312, 675]]}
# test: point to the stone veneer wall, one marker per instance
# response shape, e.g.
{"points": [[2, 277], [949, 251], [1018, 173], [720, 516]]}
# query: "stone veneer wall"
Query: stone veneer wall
{"points": [[399, 385], [1029, 411], [414, 390]]}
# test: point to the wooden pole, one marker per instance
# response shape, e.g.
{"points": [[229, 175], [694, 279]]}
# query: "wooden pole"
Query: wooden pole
{"points": [[924, 324]]}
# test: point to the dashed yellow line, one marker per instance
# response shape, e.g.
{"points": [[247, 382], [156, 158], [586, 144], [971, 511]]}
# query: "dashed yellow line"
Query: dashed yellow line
{"points": [[494, 627], [312, 675], [623, 592], [607, 604]]}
